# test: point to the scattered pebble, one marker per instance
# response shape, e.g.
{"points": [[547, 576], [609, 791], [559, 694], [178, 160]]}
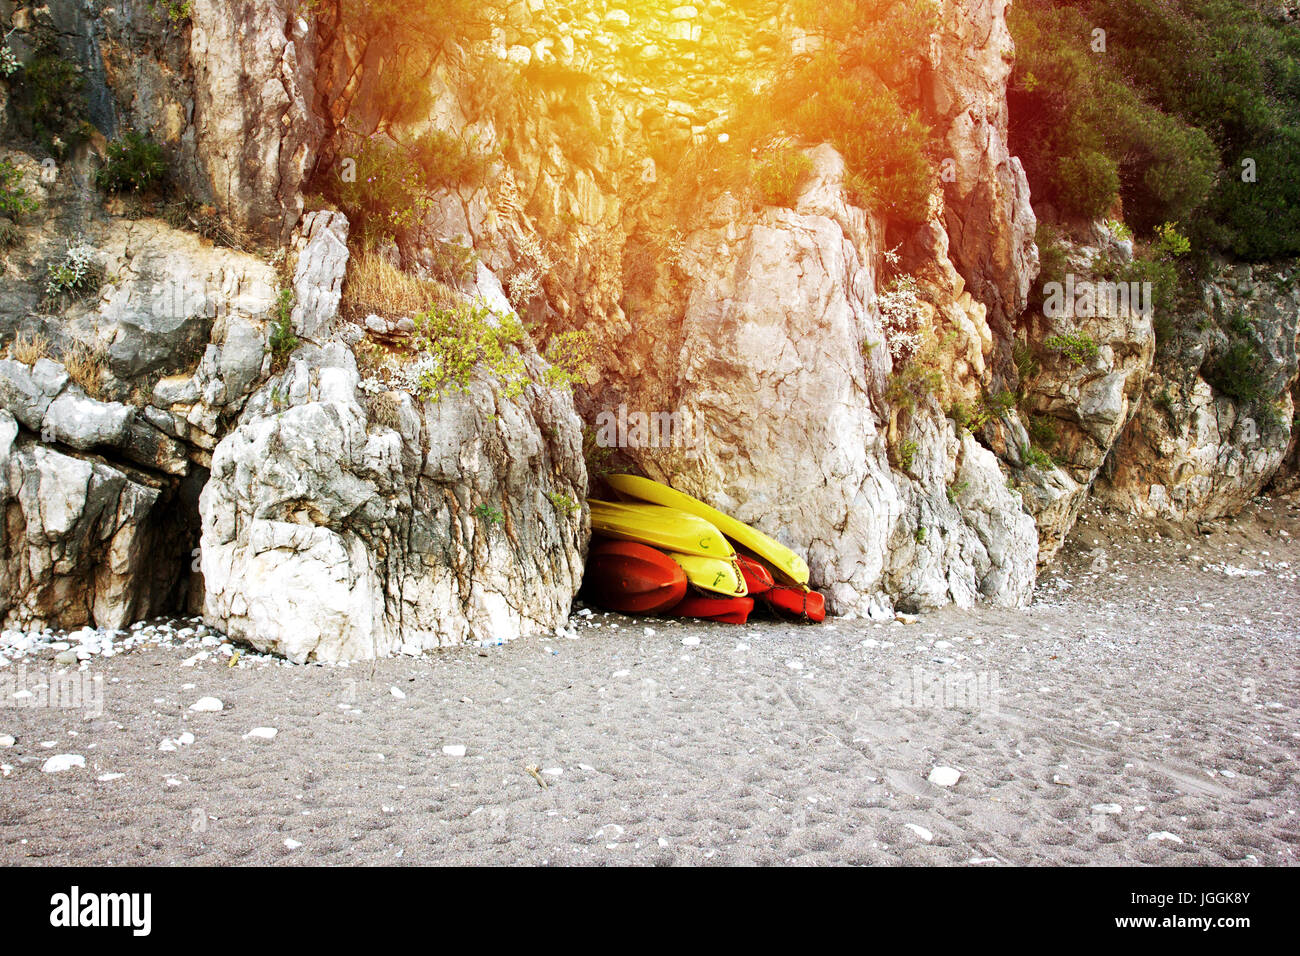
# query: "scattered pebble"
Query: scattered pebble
{"points": [[454, 750], [207, 705], [944, 776], [61, 762]]}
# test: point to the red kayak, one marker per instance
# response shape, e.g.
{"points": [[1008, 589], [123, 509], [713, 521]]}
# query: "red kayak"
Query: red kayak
{"points": [[724, 610], [632, 578], [758, 579], [807, 605]]}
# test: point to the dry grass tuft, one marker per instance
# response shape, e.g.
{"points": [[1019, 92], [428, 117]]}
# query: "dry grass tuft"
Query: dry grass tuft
{"points": [[86, 367], [375, 285], [30, 349]]}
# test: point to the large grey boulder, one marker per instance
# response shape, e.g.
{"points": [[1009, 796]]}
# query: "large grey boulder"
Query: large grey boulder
{"points": [[83, 542], [335, 530], [318, 278]]}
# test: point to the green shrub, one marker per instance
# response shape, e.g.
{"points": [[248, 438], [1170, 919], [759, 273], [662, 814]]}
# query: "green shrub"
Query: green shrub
{"points": [[48, 99], [906, 454], [450, 343], [1078, 348], [1086, 183], [1043, 431], [133, 164], [570, 356], [779, 177], [175, 12], [14, 200], [1186, 90], [382, 193], [449, 161], [854, 94], [283, 341], [913, 384], [1032, 457], [563, 503], [488, 514], [1027, 364]]}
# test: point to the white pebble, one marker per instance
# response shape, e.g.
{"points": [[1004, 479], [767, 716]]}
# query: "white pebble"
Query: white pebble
{"points": [[944, 776], [920, 831], [61, 762], [454, 750], [262, 733], [207, 705]]}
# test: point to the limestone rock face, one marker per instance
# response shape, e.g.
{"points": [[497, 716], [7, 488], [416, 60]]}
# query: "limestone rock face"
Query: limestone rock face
{"points": [[785, 422], [1076, 404], [318, 280], [1211, 435], [256, 136], [989, 220], [82, 542], [339, 527]]}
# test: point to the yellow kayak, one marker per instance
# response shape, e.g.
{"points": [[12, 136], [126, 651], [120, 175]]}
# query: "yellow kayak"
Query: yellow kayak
{"points": [[720, 575], [659, 527], [773, 552]]}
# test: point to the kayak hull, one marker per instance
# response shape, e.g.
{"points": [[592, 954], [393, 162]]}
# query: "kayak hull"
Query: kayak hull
{"points": [[799, 602], [716, 575], [668, 529], [722, 610], [781, 558], [758, 579], [632, 578]]}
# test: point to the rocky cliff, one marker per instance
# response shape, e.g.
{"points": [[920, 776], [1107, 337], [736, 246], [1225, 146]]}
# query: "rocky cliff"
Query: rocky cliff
{"points": [[849, 382]]}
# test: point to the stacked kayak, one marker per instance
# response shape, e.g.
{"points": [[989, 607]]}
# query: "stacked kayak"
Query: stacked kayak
{"points": [[664, 552]]}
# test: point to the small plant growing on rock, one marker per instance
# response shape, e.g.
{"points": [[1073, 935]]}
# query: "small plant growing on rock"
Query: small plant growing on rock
{"points": [[451, 342], [569, 355], [780, 176], [1032, 457], [563, 503], [489, 515], [14, 200], [85, 366], [906, 454], [134, 164], [72, 276], [1077, 348], [175, 12], [283, 340], [381, 190], [30, 349]]}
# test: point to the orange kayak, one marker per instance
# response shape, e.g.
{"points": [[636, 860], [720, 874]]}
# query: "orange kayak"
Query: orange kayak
{"points": [[632, 578]]}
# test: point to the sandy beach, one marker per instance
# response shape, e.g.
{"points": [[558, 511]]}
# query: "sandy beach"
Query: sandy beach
{"points": [[1143, 711]]}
